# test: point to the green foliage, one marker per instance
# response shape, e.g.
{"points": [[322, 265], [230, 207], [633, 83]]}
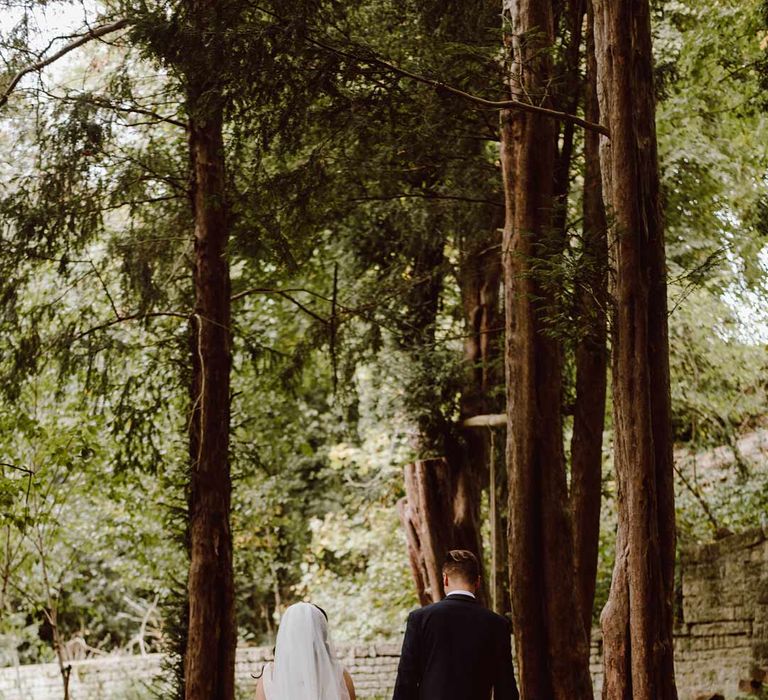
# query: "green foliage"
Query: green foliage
{"points": [[720, 388], [711, 58], [356, 197], [77, 543]]}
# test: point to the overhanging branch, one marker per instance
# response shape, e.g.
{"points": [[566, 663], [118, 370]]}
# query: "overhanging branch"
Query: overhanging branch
{"points": [[441, 86], [481, 101], [285, 295], [425, 195], [129, 317], [94, 33], [104, 103]]}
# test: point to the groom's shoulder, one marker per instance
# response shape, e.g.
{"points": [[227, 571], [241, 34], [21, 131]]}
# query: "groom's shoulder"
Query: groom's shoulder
{"points": [[501, 620], [423, 610], [491, 616], [426, 611], [447, 607]]}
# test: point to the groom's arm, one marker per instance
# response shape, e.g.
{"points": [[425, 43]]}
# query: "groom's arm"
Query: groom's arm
{"points": [[408, 673], [504, 686]]}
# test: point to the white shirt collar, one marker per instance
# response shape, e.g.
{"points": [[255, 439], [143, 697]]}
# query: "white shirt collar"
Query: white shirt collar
{"points": [[459, 591]]}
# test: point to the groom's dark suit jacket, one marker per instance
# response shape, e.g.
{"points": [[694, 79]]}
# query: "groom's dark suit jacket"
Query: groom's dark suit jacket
{"points": [[456, 650]]}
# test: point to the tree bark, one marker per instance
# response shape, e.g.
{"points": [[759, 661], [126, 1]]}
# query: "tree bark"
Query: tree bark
{"points": [[479, 282], [568, 101], [442, 508], [551, 643], [637, 620], [409, 520], [591, 360], [210, 648], [428, 519]]}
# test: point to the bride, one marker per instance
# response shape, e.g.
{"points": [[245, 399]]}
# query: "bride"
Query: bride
{"points": [[305, 666]]}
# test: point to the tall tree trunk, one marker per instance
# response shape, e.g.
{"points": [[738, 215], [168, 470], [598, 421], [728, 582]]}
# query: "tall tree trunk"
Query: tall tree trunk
{"points": [[591, 360], [210, 652], [442, 506], [637, 621], [479, 282], [568, 99], [551, 643], [590, 301]]}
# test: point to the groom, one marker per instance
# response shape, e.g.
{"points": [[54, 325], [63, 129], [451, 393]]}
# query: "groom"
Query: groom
{"points": [[456, 649]]}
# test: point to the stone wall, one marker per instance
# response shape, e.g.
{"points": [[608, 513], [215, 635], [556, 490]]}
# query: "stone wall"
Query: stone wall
{"points": [[124, 677], [721, 642], [721, 637], [372, 666]]}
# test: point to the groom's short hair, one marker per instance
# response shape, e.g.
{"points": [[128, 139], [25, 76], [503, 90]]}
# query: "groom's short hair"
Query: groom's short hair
{"points": [[462, 564]]}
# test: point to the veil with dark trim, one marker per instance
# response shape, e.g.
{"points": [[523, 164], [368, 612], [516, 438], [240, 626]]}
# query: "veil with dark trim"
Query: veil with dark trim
{"points": [[305, 666]]}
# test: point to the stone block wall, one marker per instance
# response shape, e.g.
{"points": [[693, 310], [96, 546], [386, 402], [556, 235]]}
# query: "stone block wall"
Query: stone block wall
{"points": [[124, 677], [372, 666], [721, 642], [721, 637]]}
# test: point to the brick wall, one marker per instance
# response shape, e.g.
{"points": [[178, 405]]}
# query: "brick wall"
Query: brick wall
{"points": [[721, 642]]}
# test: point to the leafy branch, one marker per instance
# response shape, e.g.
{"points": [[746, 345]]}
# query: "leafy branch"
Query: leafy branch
{"points": [[441, 86], [36, 67]]}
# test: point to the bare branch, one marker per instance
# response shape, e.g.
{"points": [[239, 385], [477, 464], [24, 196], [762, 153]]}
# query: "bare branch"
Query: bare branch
{"points": [[95, 33], [98, 101], [285, 295], [106, 290], [426, 195], [130, 317], [17, 468], [699, 497]]}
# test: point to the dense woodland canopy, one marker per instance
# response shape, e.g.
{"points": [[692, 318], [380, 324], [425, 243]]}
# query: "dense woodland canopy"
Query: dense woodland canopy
{"points": [[263, 265]]}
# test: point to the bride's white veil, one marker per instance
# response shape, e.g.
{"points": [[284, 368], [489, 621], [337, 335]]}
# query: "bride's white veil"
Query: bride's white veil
{"points": [[305, 666]]}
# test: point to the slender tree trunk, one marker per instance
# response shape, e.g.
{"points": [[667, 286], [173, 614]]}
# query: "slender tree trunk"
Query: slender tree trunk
{"points": [[210, 652], [568, 99], [637, 621], [51, 613], [591, 360], [442, 507], [479, 282], [551, 643]]}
